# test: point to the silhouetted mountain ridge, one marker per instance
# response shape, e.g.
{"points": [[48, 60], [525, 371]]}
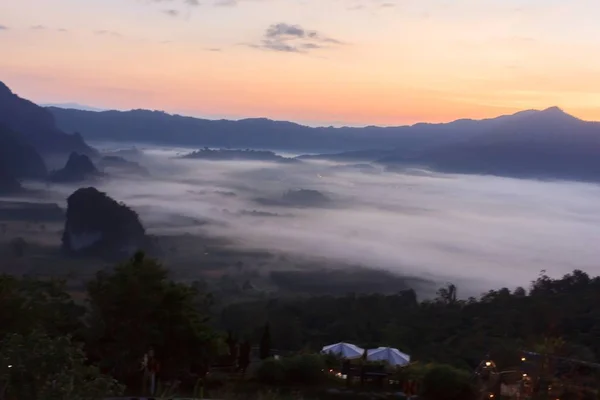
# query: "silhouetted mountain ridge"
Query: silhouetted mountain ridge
{"points": [[35, 125], [538, 143]]}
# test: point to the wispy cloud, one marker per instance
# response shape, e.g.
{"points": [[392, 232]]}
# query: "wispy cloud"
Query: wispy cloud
{"points": [[104, 32], [175, 12], [47, 28], [294, 39], [3, 28], [226, 3]]}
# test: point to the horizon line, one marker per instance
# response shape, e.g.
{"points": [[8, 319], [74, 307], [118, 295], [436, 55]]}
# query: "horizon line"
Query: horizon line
{"points": [[94, 109]]}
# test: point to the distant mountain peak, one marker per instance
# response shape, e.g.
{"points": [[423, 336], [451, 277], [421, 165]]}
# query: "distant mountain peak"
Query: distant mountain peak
{"points": [[548, 115], [554, 110], [557, 112]]}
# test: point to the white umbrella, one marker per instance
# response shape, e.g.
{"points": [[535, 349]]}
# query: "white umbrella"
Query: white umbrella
{"points": [[388, 354], [344, 350]]}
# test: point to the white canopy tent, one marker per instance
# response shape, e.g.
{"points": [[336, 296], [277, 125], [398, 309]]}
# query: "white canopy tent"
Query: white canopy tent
{"points": [[344, 350], [388, 354]]}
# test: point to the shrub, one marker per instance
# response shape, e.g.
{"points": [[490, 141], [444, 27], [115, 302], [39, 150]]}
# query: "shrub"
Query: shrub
{"points": [[270, 372], [304, 369], [443, 382]]}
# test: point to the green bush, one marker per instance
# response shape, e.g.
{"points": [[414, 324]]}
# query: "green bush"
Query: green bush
{"points": [[270, 372], [306, 369], [443, 382]]}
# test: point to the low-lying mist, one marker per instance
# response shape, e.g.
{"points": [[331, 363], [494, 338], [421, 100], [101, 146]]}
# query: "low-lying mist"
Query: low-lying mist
{"points": [[479, 232]]}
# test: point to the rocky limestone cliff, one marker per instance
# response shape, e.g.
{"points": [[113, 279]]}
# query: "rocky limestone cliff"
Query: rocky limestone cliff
{"points": [[98, 225], [77, 169]]}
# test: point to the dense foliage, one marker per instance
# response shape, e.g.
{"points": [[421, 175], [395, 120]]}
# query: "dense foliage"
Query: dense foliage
{"points": [[448, 330], [135, 308], [38, 366], [130, 310], [303, 369], [47, 336]]}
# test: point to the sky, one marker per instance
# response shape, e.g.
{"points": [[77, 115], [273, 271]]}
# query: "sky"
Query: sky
{"points": [[320, 62]]}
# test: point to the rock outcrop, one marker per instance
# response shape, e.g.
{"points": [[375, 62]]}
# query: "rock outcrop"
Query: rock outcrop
{"points": [[119, 165], [305, 198], [98, 225], [235, 155], [78, 168], [298, 198]]}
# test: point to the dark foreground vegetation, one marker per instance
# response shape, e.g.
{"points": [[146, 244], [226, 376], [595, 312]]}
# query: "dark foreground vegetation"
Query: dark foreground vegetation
{"points": [[55, 347]]}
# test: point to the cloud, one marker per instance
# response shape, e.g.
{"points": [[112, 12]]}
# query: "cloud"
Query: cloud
{"points": [[3, 28], [46, 28], [104, 32], [294, 39], [226, 3], [371, 5], [173, 12]]}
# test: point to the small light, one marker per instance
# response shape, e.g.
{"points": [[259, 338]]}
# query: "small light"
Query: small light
{"points": [[524, 374], [523, 359], [9, 366], [488, 363], [491, 395]]}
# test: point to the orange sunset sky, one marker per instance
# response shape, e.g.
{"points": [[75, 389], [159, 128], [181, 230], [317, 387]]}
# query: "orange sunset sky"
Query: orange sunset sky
{"points": [[320, 62]]}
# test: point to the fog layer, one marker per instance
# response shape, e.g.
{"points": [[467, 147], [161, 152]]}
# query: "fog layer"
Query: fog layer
{"points": [[480, 232]]}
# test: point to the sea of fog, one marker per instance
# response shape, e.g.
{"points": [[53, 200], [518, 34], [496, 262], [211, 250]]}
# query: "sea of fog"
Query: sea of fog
{"points": [[479, 232]]}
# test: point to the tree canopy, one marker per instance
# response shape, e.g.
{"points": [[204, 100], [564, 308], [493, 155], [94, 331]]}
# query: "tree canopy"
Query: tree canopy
{"points": [[446, 329], [135, 308]]}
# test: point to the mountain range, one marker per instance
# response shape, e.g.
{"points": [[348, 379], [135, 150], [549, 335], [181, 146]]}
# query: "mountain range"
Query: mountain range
{"points": [[28, 138], [542, 144]]}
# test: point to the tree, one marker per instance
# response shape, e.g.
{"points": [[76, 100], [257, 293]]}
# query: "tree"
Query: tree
{"points": [[443, 382], [136, 307], [39, 367], [27, 304], [265, 343], [447, 295], [244, 356]]}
